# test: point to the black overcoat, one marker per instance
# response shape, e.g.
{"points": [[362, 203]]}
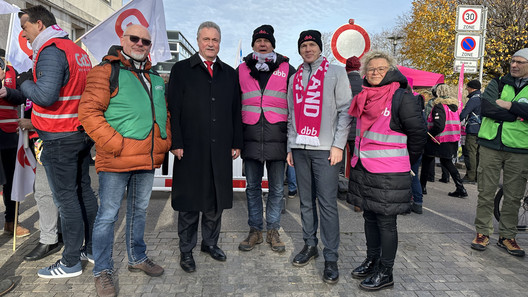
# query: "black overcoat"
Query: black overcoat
{"points": [[206, 123]]}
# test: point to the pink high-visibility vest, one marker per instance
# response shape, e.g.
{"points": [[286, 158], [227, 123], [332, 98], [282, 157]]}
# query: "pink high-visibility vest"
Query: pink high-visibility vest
{"points": [[451, 131], [381, 149], [272, 100]]}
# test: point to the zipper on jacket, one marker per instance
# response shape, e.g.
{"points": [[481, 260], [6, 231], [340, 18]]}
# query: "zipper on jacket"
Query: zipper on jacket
{"points": [[261, 125]]}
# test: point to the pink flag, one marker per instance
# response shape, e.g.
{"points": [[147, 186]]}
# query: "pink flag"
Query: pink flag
{"points": [[25, 169], [460, 88]]}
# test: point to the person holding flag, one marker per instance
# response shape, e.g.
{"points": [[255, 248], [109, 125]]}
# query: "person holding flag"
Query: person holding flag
{"points": [[8, 141], [318, 123], [55, 85]]}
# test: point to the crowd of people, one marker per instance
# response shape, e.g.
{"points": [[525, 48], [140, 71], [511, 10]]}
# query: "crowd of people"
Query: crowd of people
{"points": [[272, 115]]}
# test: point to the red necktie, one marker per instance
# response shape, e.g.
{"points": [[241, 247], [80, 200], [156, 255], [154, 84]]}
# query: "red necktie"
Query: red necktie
{"points": [[209, 64]]}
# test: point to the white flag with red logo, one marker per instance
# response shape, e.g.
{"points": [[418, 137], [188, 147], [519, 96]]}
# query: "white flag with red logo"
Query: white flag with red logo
{"points": [[25, 169], [6, 8], [19, 49], [149, 13]]}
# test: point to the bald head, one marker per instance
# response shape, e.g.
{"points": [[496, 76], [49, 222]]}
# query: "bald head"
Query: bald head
{"points": [[133, 42]]}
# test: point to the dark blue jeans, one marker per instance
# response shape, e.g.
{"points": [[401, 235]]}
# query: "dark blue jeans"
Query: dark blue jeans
{"points": [[112, 187], [67, 163], [254, 172], [415, 185]]}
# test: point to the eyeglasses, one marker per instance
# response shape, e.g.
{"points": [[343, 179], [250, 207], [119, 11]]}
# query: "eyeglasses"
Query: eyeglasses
{"points": [[380, 70], [135, 39], [518, 62]]}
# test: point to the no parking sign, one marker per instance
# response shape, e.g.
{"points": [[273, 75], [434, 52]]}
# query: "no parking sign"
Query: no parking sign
{"points": [[350, 40]]}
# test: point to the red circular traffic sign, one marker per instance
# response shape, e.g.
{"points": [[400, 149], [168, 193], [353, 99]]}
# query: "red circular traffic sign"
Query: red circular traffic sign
{"points": [[349, 40], [469, 16], [468, 44]]}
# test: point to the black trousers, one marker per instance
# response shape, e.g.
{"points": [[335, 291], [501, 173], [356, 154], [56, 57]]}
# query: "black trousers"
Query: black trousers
{"points": [[428, 161], [188, 228], [8, 162], [381, 234]]}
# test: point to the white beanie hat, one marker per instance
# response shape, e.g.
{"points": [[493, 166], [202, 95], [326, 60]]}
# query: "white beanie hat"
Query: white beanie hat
{"points": [[523, 53]]}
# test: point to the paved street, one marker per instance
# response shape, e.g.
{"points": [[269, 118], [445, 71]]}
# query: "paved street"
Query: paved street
{"points": [[434, 258]]}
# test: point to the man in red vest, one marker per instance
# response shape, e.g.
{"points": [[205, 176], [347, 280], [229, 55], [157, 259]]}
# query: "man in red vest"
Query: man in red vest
{"points": [[58, 79], [8, 145]]}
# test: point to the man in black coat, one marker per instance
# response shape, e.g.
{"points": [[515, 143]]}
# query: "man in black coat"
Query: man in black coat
{"points": [[204, 104]]}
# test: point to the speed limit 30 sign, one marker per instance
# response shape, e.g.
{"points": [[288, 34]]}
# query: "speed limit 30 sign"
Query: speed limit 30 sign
{"points": [[469, 18]]}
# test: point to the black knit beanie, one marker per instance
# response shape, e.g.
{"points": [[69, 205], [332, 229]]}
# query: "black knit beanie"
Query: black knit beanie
{"points": [[264, 31], [310, 35]]}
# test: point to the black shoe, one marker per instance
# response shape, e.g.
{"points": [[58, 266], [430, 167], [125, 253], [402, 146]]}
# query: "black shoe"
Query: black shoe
{"points": [[42, 250], [366, 268], [381, 278], [215, 252], [308, 253], [416, 208], [187, 262], [460, 193], [444, 180], [431, 179], [331, 272], [424, 191]]}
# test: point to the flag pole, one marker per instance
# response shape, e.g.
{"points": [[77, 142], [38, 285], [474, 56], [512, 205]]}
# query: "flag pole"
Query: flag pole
{"points": [[78, 39], [15, 226]]}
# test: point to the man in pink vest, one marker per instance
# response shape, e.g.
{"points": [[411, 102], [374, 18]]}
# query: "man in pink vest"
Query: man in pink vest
{"points": [[264, 83]]}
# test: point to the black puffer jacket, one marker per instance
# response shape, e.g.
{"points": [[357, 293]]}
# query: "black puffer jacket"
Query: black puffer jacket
{"points": [[265, 141], [390, 193]]}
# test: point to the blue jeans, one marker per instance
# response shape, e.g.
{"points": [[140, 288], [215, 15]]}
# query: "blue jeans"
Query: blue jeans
{"points": [[112, 186], [67, 164], [416, 187], [292, 179], [317, 185], [254, 172]]}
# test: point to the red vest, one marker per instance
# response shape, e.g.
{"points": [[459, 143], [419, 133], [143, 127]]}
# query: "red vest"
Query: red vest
{"points": [[451, 131], [272, 101], [61, 116], [8, 112], [381, 149]]}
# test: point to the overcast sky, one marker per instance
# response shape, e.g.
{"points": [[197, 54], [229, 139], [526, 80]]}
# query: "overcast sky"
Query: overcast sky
{"points": [[238, 19]]}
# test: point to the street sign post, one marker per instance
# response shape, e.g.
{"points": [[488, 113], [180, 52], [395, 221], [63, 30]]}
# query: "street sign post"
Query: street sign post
{"points": [[470, 66], [469, 18]]}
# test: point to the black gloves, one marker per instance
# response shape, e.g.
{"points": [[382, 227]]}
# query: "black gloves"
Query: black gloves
{"points": [[22, 77]]}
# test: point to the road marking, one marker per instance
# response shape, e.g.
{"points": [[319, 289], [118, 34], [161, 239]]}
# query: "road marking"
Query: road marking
{"points": [[471, 227]]}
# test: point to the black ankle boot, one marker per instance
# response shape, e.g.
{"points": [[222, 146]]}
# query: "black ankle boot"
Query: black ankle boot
{"points": [[366, 268], [381, 278], [459, 192]]}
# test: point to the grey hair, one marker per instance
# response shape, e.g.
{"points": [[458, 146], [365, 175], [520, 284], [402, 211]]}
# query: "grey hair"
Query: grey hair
{"points": [[376, 55], [208, 24], [443, 91]]}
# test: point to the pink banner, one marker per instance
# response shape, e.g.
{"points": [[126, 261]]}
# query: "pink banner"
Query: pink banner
{"points": [[461, 89]]}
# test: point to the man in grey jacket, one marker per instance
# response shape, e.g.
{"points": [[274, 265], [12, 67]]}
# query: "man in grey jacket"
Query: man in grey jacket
{"points": [[318, 123]]}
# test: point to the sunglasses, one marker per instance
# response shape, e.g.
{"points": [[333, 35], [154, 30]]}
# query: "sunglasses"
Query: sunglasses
{"points": [[135, 39]]}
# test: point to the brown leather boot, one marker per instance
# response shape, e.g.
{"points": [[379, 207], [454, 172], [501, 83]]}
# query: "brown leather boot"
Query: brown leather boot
{"points": [[20, 231]]}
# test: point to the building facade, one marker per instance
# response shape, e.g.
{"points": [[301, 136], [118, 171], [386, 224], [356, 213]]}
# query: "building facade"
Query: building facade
{"points": [[180, 49]]}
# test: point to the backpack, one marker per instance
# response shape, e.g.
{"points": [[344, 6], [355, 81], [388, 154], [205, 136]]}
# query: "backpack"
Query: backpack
{"points": [[114, 74]]}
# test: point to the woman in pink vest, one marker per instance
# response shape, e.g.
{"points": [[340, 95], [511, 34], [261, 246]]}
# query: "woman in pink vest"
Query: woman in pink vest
{"points": [[443, 124], [390, 136]]}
